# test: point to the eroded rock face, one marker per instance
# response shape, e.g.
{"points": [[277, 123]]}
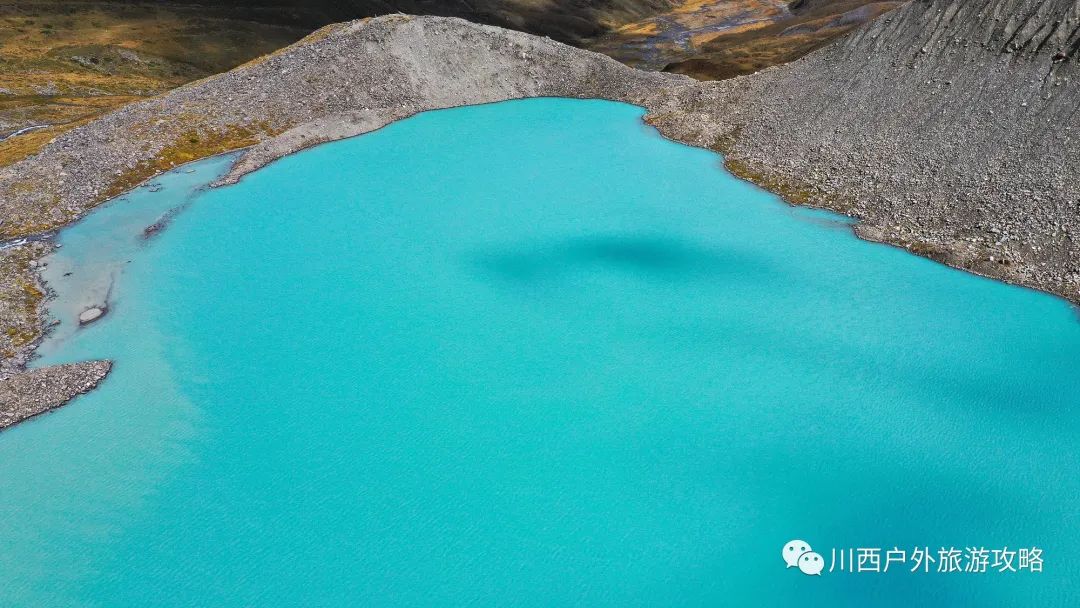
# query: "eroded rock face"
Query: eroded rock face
{"points": [[947, 127]]}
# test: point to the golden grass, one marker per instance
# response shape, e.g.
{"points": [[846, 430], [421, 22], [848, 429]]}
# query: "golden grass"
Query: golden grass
{"points": [[64, 64], [17, 148], [641, 28], [190, 146]]}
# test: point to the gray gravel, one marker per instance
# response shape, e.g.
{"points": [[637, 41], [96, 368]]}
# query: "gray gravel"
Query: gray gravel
{"points": [[29, 393], [947, 127]]}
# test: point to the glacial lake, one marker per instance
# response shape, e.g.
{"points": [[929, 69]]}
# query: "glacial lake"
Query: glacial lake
{"points": [[532, 354]]}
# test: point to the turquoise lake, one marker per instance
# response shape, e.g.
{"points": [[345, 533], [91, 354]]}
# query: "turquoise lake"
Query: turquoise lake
{"points": [[531, 354]]}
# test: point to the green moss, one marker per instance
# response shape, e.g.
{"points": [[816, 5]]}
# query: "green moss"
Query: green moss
{"points": [[792, 191]]}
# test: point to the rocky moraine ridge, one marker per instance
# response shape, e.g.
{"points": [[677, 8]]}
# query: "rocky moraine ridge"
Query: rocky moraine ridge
{"points": [[947, 127]]}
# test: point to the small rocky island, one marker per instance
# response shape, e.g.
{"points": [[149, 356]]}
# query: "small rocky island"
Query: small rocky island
{"points": [[945, 127]]}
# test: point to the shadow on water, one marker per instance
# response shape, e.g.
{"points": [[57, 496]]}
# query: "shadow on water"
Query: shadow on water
{"points": [[658, 257], [823, 218]]}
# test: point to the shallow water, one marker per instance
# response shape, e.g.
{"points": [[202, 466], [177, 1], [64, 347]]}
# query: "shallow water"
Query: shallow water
{"points": [[530, 354]]}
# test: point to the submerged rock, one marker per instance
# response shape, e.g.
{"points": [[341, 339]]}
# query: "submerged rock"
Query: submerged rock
{"points": [[91, 314]]}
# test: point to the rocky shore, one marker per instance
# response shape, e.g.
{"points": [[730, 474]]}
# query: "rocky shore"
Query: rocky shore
{"points": [[29, 393], [945, 128]]}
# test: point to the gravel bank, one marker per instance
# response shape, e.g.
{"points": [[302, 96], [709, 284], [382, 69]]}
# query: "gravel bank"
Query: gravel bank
{"points": [[29, 393], [946, 127]]}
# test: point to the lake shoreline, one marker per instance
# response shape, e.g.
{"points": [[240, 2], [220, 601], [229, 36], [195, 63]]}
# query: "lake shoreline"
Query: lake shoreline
{"points": [[895, 193], [491, 318]]}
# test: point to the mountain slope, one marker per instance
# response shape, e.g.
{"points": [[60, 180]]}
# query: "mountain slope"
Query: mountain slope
{"points": [[948, 126], [715, 39]]}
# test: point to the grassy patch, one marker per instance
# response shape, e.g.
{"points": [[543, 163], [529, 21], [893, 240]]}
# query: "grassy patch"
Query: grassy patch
{"points": [[66, 63], [795, 193], [189, 146], [17, 148]]}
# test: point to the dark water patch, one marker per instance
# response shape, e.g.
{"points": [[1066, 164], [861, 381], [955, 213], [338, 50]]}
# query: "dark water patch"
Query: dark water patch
{"points": [[654, 257]]}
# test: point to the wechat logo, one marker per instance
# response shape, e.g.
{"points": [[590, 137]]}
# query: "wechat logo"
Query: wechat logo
{"points": [[798, 554]]}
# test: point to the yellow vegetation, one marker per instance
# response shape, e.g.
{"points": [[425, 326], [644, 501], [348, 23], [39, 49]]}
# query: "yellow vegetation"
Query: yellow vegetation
{"points": [[65, 63], [22, 297], [189, 146]]}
